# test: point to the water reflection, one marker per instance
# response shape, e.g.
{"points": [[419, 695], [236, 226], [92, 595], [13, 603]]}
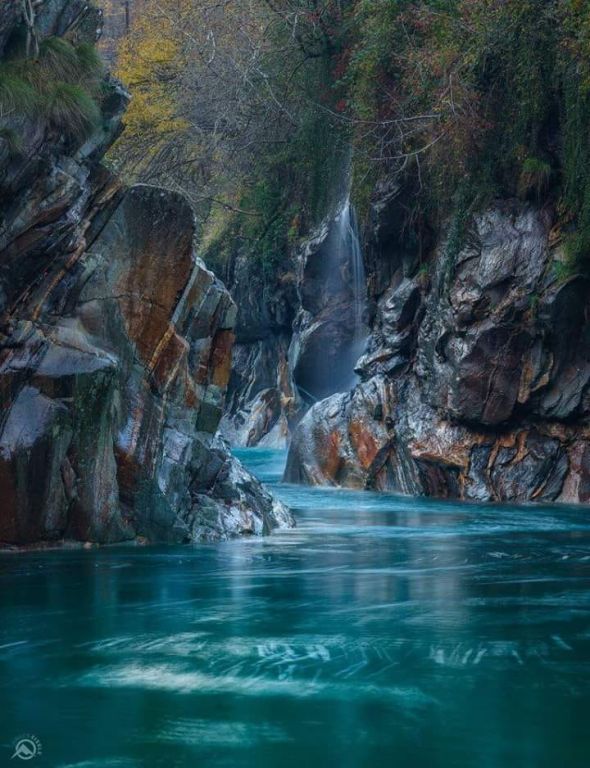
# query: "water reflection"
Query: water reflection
{"points": [[382, 631]]}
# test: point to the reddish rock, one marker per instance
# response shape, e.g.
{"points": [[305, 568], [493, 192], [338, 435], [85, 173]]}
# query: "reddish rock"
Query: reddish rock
{"points": [[475, 381], [115, 349]]}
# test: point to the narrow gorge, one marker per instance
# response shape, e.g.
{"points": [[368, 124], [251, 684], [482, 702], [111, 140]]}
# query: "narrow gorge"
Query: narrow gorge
{"points": [[295, 383], [473, 382], [392, 337]]}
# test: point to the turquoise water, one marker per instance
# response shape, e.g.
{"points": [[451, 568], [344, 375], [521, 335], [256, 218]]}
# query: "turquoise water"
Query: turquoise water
{"points": [[383, 631]]}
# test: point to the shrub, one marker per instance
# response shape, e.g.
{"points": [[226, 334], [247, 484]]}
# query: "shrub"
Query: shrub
{"points": [[58, 60], [89, 61], [71, 110], [534, 178], [60, 86], [17, 96]]}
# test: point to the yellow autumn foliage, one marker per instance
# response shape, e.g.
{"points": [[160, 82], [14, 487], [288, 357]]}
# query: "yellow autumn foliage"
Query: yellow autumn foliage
{"points": [[149, 60]]}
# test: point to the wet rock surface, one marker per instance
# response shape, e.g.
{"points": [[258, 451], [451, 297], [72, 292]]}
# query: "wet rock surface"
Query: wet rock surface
{"points": [[476, 377], [262, 398], [295, 337], [115, 350]]}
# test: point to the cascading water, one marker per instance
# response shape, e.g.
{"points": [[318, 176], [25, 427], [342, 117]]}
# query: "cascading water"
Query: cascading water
{"points": [[333, 334], [350, 243], [349, 239]]}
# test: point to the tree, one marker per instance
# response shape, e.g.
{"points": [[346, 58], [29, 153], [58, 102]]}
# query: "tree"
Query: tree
{"points": [[224, 95]]}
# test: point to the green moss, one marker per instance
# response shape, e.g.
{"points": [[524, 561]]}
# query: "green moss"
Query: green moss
{"points": [[566, 268], [12, 141], [423, 273]]}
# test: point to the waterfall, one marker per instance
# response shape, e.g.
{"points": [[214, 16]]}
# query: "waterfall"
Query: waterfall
{"points": [[333, 333], [349, 238]]}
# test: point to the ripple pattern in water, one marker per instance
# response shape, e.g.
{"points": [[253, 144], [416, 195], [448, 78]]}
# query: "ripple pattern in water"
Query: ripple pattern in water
{"points": [[382, 631]]}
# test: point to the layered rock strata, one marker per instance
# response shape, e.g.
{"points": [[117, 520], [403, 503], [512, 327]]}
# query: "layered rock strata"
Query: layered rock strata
{"points": [[475, 383], [295, 335], [115, 346]]}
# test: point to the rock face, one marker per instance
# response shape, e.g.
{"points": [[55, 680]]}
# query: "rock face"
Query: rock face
{"points": [[262, 398], [475, 384], [295, 338], [115, 349]]}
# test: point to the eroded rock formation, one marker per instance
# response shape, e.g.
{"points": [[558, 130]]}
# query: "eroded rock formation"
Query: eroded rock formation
{"points": [[475, 380], [115, 346], [295, 337], [262, 398]]}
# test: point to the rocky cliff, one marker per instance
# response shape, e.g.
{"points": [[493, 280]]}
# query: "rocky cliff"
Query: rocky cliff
{"points": [[295, 335], [115, 345], [262, 399], [475, 380]]}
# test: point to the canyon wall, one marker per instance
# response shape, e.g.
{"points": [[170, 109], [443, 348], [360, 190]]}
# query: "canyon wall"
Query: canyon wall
{"points": [[115, 342], [295, 335], [474, 384]]}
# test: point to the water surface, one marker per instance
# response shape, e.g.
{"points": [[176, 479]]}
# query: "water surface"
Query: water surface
{"points": [[383, 631]]}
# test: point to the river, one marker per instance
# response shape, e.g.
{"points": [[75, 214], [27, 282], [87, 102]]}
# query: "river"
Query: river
{"points": [[383, 631]]}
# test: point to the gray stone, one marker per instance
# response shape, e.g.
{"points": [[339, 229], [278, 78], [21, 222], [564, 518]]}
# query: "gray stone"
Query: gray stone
{"points": [[475, 381], [115, 348]]}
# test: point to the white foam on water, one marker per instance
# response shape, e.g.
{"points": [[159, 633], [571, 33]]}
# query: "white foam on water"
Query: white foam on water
{"points": [[560, 643], [171, 678], [13, 645], [182, 644]]}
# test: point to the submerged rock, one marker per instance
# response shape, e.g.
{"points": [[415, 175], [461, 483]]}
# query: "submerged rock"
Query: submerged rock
{"points": [[115, 351], [476, 379]]}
